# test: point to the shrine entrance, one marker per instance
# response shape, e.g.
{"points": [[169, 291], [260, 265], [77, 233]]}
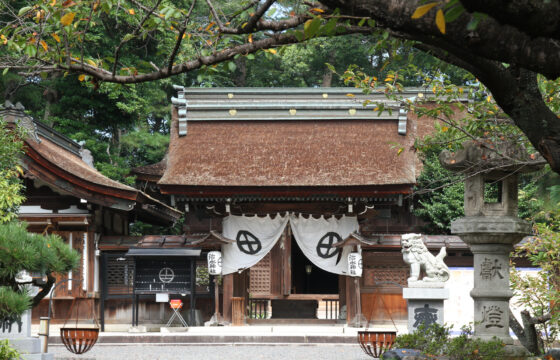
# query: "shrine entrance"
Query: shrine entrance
{"points": [[307, 278]]}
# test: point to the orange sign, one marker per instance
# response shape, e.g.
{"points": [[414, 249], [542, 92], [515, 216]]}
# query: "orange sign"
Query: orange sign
{"points": [[176, 304]]}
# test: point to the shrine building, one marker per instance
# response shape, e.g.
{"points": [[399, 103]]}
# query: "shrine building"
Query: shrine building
{"points": [[303, 192], [286, 182]]}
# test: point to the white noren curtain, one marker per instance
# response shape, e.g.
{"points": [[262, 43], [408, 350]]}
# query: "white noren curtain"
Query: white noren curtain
{"points": [[315, 237], [254, 237]]}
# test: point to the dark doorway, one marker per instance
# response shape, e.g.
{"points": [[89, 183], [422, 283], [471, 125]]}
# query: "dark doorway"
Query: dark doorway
{"points": [[308, 278]]}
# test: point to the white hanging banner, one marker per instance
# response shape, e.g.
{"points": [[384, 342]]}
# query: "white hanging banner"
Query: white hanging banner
{"points": [[316, 238], [254, 237]]}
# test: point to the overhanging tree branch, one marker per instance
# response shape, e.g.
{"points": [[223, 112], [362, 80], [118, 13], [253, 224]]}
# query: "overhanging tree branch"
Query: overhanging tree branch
{"points": [[490, 39]]}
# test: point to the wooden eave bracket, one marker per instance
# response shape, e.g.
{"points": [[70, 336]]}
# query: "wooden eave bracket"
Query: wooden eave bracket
{"points": [[355, 239]]}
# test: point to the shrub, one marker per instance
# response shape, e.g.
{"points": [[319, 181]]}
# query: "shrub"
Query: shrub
{"points": [[435, 340], [428, 339], [7, 352], [464, 347]]}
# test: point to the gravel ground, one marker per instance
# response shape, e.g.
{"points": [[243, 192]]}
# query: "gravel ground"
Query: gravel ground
{"points": [[216, 352]]}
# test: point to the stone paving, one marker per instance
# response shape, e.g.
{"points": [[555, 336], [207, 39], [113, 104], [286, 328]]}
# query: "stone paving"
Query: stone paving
{"points": [[216, 352]]}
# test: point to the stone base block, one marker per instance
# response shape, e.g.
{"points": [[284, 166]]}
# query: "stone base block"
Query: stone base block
{"points": [[424, 312], [425, 284], [38, 357], [27, 345], [515, 352], [30, 348], [173, 329], [425, 306], [421, 293], [138, 329]]}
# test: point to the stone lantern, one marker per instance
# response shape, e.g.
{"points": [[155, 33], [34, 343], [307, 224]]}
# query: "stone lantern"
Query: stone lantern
{"points": [[491, 227]]}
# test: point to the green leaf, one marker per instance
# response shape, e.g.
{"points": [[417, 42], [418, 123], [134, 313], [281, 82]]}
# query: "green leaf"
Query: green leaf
{"points": [[453, 13], [24, 9], [231, 66], [250, 56], [471, 26], [311, 26], [5, 71], [329, 27], [30, 50], [128, 37]]}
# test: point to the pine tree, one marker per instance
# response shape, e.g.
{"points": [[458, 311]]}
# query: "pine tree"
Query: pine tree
{"points": [[44, 255]]}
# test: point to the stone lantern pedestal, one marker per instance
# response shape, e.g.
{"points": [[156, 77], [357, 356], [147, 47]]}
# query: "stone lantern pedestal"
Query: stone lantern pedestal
{"points": [[491, 241], [491, 228]]}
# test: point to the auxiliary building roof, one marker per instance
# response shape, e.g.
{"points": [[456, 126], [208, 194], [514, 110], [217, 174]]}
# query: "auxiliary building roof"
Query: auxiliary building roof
{"points": [[58, 161]]}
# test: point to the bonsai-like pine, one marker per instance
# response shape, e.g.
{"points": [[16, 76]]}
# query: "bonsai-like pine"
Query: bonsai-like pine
{"points": [[21, 251]]}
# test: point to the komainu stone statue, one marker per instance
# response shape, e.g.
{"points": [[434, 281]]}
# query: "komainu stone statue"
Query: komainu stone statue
{"points": [[419, 258]]}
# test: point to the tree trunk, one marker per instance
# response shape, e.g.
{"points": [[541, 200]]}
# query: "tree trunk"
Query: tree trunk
{"points": [[241, 74], [327, 78], [45, 289], [47, 114], [527, 334]]}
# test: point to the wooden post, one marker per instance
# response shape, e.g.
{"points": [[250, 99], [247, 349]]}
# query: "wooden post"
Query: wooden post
{"points": [[358, 301], [350, 300], [216, 300], [276, 268], [227, 295], [238, 311], [287, 262]]}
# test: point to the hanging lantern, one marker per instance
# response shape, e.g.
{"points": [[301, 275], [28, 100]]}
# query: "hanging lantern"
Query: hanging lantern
{"points": [[214, 263], [355, 264]]}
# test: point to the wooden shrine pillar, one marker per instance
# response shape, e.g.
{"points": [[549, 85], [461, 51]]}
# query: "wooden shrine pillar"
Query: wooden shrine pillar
{"points": [[281, 265], [235, 285], [341, 291], [353, 299], [227, 282], [276, 269], [287, 262]]}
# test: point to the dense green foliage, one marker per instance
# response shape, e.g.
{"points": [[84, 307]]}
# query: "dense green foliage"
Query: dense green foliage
{"points": [[539, 292], [20, 250], [435, 340], [10, 185], [440, 195]]}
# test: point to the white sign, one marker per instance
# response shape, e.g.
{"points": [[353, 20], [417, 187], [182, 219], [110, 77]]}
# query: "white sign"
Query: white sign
{"points": [[214, 263], [355, 264], [162, 297]]}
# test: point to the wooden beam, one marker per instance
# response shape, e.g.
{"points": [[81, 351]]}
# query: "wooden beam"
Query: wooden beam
{"points": [[287, 191]]}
